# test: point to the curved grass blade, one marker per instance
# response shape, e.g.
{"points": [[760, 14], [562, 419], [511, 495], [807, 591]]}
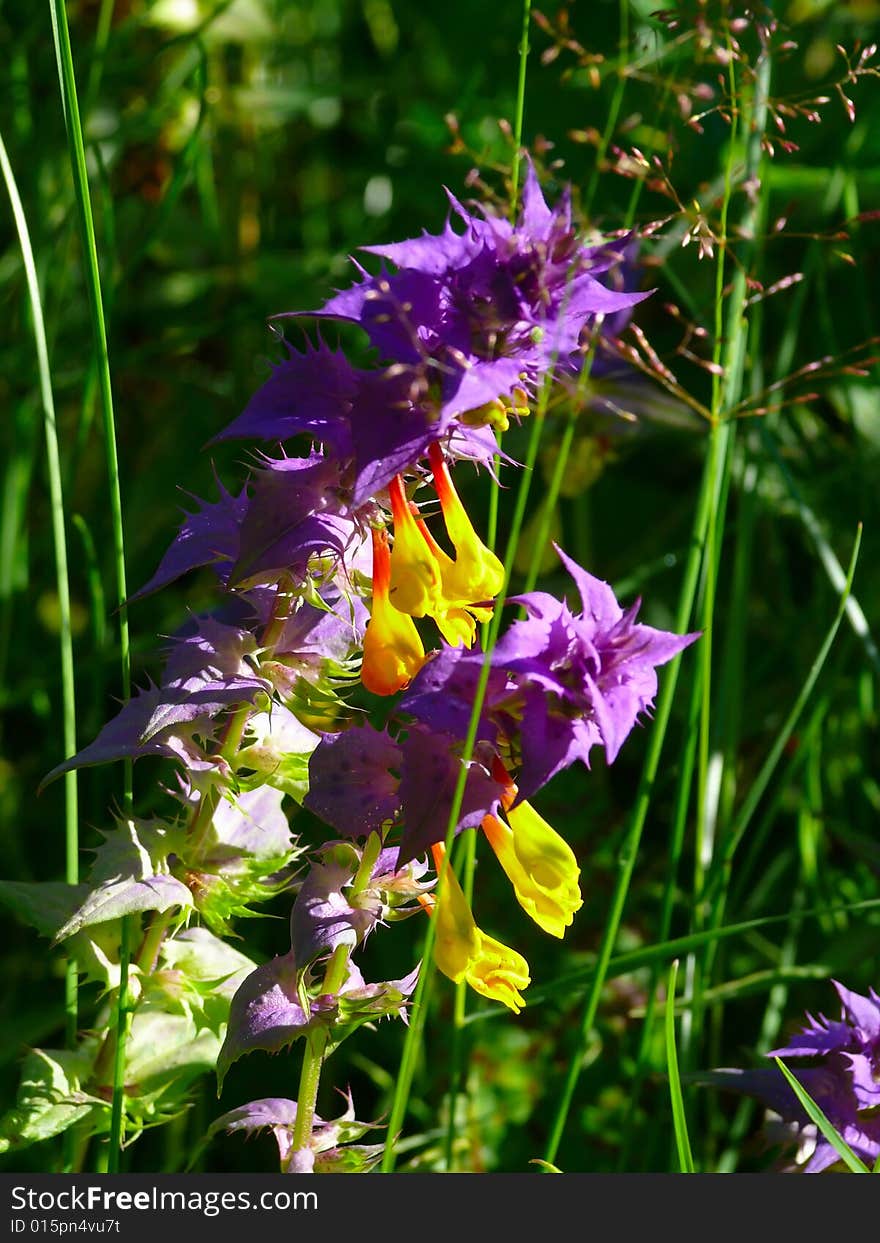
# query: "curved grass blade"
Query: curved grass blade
{"points": [[59, 540], [633, 960], [679, 1119], [759, 785], [816, 1115]]}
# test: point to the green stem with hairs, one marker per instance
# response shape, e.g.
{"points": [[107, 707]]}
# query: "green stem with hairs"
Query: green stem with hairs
{"points": [[313, 1056]]}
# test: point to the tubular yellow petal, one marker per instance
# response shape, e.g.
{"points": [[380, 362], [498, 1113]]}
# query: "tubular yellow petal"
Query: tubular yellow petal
{"points": [[393, 651], [457, 626], [539, 864], [464, 952], [415, 572], [455, 619], [499, 972], [476, 573]]}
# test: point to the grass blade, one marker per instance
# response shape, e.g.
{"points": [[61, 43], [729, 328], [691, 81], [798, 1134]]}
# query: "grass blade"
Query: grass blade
{"points": [[816, 1115], [59, 540], [73, 126], [679, 1119]]}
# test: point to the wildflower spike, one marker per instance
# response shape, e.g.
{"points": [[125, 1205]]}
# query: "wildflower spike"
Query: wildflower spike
{"points": [[393, 651], [464, 952]]}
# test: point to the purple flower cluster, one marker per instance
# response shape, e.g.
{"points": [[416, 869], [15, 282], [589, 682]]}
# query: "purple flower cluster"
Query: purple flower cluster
{"points": [[842, 1077], [466, 322], [324, 561]]}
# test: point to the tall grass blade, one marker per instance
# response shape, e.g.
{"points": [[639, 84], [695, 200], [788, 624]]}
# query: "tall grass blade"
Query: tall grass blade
{"points": [[469, 846], [816, 1115], [59, 540], [679, 1119], [76, 148]]}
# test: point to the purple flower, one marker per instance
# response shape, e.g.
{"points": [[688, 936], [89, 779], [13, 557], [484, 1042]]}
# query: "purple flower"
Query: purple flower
{"points": [[329, 1150], [362, 781], [560, 684], [207, 537], [843, 1079], [372, 424], [492, 307], [294, 509], [208, 671], [849, 1090], [353, 782], [331, 909], [469, 322], [278, 1003], [295, 512]]}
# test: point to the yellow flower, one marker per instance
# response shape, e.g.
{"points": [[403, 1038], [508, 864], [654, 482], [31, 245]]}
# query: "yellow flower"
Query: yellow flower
{"points": [[393, 651], [476, 573], [425, 580], [539, 864], [464, 952], [415, 573]]}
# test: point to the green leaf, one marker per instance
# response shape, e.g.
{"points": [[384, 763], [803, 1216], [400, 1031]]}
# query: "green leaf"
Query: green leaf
{"points": [[50, 1099], [202, 957], [125, 897], [354, 1159], [138, 848], [816, 1115], [165, 1046], [45, 906]]}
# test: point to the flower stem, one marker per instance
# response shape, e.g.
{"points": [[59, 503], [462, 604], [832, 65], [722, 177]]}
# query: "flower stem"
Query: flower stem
{"points": [[307, 1096], [457, 1049], [520, 105], [419, 1006], [313, 1057], [629, 848]]}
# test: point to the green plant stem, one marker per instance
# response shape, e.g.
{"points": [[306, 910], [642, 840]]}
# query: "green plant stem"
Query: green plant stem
{"points": [[67, 80], [124, 1015], [457, 1054], [62, 586], [614, 107], [309, 1082], [670, 890], [418, 1012], [520, 105], [729, 355], [551, 497], [759, 785], [99, 52], [469, 852], [313, 1055], [629, 848]]}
